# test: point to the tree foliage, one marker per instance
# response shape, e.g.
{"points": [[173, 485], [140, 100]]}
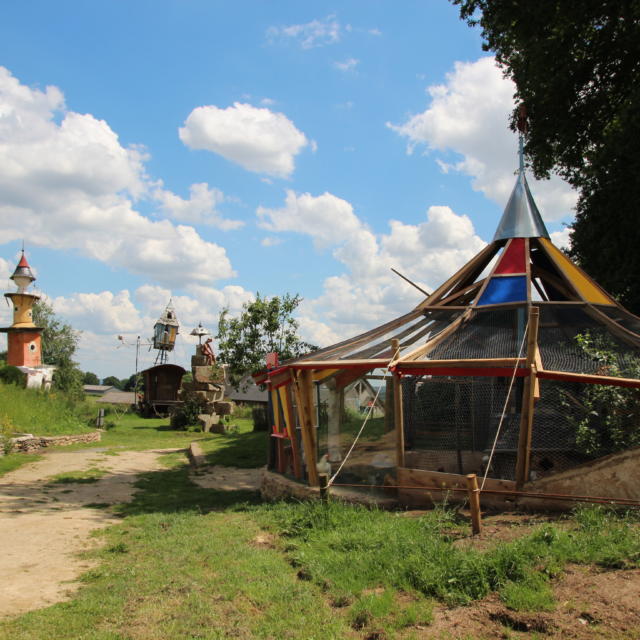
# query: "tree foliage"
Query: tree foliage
{"points": [[90, 378], [609, 415], [575, 67], [265, 325], [59, 343], [113, 381]]}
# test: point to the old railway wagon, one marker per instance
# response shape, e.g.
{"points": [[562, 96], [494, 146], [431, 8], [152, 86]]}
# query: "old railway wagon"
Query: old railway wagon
{"points": [[161, 385]]}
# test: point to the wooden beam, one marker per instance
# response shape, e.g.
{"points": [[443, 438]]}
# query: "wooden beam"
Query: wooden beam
{"points": [[588, 378], [528, 401], [306, 426], [291, 423], [366, 365], [468, 362], [397, 411]]}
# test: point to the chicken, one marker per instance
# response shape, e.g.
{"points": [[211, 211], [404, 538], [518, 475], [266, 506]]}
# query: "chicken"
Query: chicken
{"points": [[323, 465]]}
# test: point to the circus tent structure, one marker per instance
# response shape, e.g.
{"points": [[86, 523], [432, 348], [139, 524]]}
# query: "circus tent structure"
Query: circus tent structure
{"points": [[500, 372]]}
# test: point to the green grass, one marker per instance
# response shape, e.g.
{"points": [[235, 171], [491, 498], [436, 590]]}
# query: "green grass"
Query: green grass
{"points": [[43, 414], [87, 476], [16, 460], [188, 562]]}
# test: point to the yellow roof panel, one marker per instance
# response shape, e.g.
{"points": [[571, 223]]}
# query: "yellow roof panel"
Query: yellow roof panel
{"points": [[586, 288]]}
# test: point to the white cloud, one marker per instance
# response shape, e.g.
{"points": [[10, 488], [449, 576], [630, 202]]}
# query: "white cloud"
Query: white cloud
{"points": [[327, 218], [257, 139], [200, 208], [375, 32], [270, 241], [104, 312], [316, 33], [347, 65], [368, 293], [267, 102], [68, 183], [469, 116], [561, 238]]}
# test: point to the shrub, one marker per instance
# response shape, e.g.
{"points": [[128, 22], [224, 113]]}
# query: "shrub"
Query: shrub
{"points": [[11, 375]]}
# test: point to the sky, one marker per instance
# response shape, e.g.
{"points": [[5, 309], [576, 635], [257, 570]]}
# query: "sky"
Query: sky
{"points": [[205, 151]]}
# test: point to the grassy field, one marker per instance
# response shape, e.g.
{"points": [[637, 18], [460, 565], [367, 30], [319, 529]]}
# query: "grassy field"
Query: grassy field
{"points": [[50, 414], [188, 562]]}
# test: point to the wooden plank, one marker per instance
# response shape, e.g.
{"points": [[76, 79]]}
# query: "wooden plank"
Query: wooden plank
{"points": [[433, 486], [308, 388], [397, 411], [619, 330], [487, 280], [462, 291], [305, 429], [528, 401], [548, 374], [527, 258], [366, 365], [423, 369], [289, 416], [463, 362]]}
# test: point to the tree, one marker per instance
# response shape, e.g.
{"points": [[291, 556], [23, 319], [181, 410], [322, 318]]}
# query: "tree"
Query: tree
{"points": [[59, 343], [90, 378], [575, 67], [112, 381], [264, 326]]}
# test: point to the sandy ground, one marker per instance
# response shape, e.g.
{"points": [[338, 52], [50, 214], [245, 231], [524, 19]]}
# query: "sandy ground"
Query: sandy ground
{"points": [[227, 478], [43, 527]]}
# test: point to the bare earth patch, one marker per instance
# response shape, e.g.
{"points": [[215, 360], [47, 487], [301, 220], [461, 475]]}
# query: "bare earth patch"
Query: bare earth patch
{"points": [[44, 526], [591, 605], [227, 478]]}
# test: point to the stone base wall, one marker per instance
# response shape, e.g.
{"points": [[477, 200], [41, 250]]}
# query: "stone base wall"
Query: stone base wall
{"points": [[37, 443]]}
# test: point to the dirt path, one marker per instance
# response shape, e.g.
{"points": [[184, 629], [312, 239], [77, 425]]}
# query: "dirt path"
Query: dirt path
{"points": [[43, 527]]}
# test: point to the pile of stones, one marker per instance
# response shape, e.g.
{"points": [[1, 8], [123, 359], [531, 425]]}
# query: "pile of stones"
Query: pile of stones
{"points": [[207, 390]]}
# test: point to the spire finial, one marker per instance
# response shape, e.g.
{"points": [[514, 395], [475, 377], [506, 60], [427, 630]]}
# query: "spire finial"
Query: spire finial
{"points": [[522, 128]]}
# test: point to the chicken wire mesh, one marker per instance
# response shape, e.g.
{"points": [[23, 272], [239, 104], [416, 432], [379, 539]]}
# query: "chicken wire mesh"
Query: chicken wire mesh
{"points": [[450, 423], [570, 338], [495, 333]]}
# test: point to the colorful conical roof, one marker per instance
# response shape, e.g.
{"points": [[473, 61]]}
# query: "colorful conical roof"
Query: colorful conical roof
{"points": [[23, 269], [521, 218]]}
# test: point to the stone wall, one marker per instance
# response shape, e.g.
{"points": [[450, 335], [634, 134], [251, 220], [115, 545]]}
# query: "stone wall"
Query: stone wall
{"points": [[30, 444]]}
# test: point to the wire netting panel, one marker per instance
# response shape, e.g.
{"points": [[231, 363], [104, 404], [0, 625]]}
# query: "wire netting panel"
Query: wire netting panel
{"points": [[575, 423], [450, 424], [410, 335], [622, 317], [570, 339], [341, 416], [494, 333]]}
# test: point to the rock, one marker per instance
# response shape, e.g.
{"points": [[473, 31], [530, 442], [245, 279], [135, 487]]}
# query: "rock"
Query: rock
{"points": [[223, 408]]}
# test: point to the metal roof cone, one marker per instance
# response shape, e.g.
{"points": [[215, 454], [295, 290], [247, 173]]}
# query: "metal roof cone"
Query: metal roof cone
{"points": [[521, 218], [23, 276]]}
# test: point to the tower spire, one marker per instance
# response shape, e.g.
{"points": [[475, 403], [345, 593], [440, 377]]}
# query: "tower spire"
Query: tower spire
{"points": [[521, 218]]}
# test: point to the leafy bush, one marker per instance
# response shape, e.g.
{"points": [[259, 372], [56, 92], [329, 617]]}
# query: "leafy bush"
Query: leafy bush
{"points": [[11, 375], [609, 417], [186, 414]]}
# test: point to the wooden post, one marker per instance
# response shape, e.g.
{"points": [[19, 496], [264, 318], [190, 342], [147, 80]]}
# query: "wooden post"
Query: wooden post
{"points": [[323, 478], [474, 503], [306, 428], [397, 408], [528, 402]]}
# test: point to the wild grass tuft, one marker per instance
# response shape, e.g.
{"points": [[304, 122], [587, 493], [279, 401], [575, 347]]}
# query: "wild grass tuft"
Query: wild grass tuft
{"points": [[53, 413]]}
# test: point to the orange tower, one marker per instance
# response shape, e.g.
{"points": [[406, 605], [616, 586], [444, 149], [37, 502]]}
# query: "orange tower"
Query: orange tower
{"points": [[24, 348]]}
